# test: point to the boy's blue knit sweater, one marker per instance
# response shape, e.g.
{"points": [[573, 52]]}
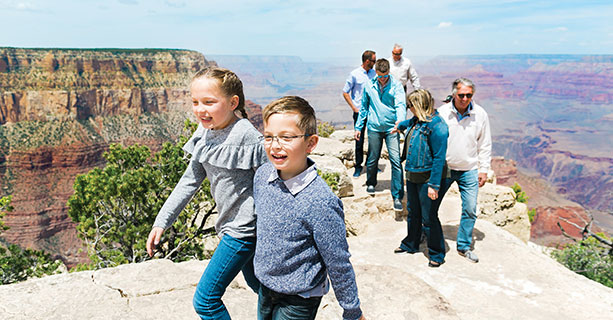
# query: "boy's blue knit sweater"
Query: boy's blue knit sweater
{"points": [[301, 238]]}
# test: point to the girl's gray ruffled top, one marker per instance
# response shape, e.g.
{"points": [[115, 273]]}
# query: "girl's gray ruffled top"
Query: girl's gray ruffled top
{"points": [[229, 157]]}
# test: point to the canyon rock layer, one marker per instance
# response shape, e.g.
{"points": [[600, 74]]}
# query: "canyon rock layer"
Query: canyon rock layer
{"points": [[59, 111]]}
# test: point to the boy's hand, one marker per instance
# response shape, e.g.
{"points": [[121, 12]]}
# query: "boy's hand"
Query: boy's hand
{"points": [[154, 239], [357, 135], [362, 318]]}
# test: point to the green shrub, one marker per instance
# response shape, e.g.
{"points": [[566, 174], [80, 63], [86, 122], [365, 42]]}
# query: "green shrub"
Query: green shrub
{"points": [[324, 129], [520, 196], [589, 258], [331, 178], [115, 207], [531, 214]]}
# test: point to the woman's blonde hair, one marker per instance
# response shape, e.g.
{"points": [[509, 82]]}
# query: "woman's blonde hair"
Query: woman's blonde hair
{"points": [[229, 83], [423, 103]]}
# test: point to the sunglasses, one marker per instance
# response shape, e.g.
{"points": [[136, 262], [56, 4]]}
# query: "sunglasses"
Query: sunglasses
{"points": [[397, 54], [467, 95], [383, 77]]}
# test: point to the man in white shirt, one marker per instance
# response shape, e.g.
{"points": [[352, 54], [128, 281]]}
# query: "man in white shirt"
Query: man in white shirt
{"points": [[469, 149], [402, 69], [352, 93]]}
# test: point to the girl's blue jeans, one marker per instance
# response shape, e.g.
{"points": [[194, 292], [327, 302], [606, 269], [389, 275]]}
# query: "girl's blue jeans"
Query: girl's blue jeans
{"points": [[231, 256]]}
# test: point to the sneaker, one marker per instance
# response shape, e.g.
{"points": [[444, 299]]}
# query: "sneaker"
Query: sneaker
{"points": [[370, 190], [357, 172], [471, 256], [397, 205]]}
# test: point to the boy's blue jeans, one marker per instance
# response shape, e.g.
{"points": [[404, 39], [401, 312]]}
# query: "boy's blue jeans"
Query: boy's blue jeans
{"points": [[468, 183], [278, 306], [231, 256], [375, 143]]}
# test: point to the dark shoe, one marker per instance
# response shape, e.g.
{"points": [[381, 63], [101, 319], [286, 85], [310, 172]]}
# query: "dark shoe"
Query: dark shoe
{"points": [[399, 250], [370, 190], [397, 205], [357, 172], [471, 256], [434, 264]]}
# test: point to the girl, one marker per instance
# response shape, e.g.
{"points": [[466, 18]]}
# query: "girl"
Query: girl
{"points": [[427, 147], [226, 149]]}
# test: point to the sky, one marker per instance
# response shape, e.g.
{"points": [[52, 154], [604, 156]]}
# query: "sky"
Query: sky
{"points": [[314, 30]]}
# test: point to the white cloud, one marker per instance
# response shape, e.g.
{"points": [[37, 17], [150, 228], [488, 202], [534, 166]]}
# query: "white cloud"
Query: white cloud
{"points": [[130, 2], [559, 29], [444, 24], [175, 3], [18, 5]]}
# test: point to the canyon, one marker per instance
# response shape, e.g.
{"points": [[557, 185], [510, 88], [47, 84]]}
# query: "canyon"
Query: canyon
{"points": [[551, 118], [59, 111]]}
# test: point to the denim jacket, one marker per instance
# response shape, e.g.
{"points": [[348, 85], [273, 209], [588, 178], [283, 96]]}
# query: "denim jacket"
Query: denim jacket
{"points": [[427, 147]]}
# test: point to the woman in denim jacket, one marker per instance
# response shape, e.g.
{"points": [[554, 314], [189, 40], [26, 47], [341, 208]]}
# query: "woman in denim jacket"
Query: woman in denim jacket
{"points": [[425, 155]]}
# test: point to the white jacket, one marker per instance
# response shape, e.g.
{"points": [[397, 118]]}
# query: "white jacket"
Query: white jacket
{"points": [[469, 145]]}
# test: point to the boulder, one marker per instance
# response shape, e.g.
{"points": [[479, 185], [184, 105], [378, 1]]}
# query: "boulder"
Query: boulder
{"points": [[331, 164], [497, 204], [334, 148]]}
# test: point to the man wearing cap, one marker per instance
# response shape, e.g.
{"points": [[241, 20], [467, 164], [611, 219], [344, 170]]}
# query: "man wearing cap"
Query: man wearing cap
{"points": [[469, 149], [402, 69], [352, 92]]}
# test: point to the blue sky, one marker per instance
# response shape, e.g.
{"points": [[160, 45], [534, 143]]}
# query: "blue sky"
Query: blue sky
{"points": [[313, 29]]}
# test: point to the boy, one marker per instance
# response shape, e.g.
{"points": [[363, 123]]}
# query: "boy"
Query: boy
{"points": [[300, 222]]}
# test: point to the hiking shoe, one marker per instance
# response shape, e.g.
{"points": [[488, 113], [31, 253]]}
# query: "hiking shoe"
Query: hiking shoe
{"points": [[397, 205], [471, 256], [370, 190], [357, 172]]}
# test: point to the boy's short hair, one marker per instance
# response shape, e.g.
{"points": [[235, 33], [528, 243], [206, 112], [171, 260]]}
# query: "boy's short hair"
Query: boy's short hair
{"points": [[382, 65], [294, 104]]}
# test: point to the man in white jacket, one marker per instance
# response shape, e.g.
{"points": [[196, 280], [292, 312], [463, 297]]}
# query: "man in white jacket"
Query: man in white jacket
{"points": [[402, 69], [469, 149]]}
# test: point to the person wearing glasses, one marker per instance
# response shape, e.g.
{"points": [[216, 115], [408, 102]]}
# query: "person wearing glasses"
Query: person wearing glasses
{"points": [[383, 105], [352, 93], [402, 69], [301, 235], [468, 156]]}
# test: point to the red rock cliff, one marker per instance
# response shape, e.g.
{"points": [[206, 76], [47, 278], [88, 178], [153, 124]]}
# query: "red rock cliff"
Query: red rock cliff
{"points": [[59, 111]]}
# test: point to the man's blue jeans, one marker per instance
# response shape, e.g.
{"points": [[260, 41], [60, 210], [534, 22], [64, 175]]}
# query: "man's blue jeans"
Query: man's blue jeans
{"points": [[468, 183], [375, 143], [231, 256], [423, 210], [277, 306]]}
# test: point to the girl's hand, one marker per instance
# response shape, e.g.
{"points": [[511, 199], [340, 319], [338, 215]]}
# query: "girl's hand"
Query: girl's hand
{"points": [[154, 239], [432, 193]]}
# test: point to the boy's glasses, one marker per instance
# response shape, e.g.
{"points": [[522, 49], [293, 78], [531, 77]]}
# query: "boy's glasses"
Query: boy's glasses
{"points": [[282, 140], [467, 95]]}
